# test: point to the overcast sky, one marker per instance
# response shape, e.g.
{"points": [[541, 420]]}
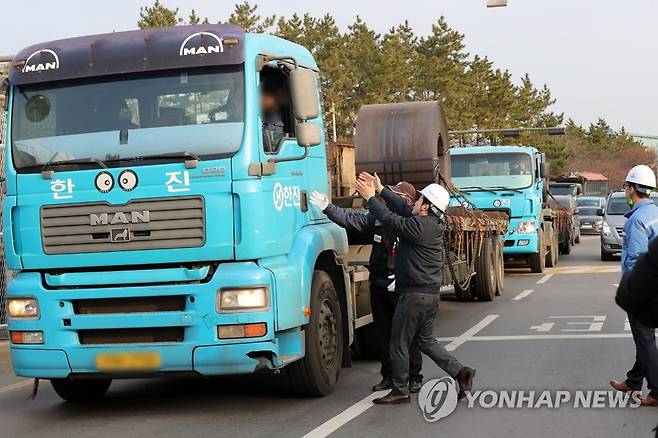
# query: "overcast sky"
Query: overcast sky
{"points": [[597, 56]]}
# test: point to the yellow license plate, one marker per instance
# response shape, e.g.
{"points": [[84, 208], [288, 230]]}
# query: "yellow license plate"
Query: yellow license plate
{"points": [[142, 361]]}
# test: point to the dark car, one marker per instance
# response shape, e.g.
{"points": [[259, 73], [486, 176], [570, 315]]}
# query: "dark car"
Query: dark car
{"points": [[590, 221]]}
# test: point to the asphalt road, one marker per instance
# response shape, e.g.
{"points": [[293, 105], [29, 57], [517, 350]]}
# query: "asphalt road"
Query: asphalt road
{"points": [[557, 332]]}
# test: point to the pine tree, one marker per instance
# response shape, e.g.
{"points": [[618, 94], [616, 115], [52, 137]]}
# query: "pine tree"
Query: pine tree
{"points": [[157, 15]]}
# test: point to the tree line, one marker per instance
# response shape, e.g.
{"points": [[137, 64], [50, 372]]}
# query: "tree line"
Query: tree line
{"points": [[361, 66]]}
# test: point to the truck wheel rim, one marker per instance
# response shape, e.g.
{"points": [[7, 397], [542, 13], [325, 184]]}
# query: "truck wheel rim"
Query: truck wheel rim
{"points": [[327, 331]]}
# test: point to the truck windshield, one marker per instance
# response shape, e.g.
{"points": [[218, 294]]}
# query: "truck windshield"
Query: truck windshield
{"points": [[196, 111], [562, 189], [496, 170]]}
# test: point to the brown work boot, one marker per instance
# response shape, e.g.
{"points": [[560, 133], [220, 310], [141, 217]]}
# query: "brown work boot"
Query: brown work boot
{"points": [[465, 380], [622, 386], [391, 399]]}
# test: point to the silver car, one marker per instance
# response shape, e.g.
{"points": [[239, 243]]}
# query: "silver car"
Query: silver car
{"points": [[612, 228]]}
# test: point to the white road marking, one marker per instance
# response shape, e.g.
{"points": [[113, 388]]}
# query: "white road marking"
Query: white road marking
{"points": [[523, 294], [15, 386], [452, 346], [545, 327], [544, 279], [344, 417], [363, 405], [534, 337]]}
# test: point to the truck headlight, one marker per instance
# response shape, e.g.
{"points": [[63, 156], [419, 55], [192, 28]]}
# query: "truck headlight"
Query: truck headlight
{"points": [[606, 229], [526, 227], [256, 298], [23, 307]]}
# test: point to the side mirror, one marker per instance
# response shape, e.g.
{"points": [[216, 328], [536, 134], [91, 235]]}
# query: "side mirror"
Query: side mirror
{"points": [[545, 169], [600, 212], [308, 134], [304, 93]]}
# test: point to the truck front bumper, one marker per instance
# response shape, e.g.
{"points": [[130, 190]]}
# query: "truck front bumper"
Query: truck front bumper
{"points": [[196, 348], [519, 243]]}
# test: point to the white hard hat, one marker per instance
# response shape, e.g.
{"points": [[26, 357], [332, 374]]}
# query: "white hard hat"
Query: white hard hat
{"points": [[437, 195], [642, 175]]}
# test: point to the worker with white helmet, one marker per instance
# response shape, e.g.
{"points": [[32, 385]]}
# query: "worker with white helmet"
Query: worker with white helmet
{"points": [[418, 279], [640, 228]]}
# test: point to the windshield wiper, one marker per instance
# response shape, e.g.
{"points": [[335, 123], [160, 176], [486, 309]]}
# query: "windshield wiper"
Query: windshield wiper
{"points": [[472, 188], [506, 188], [75, 162], [168, 156]]}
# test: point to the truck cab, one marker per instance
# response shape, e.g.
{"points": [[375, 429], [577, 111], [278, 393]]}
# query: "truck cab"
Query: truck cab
{"points": [[508, 179], [159, 223]]}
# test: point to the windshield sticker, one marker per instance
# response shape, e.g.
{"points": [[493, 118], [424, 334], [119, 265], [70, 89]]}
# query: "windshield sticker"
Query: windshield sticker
{"points": [[47, 61], [176, 184], [62, 189], [128, 180], [285, 196], [196, 44], [104, 182]]}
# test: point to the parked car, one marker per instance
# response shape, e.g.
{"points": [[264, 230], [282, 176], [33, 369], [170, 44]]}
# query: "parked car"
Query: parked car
{"points": [[591, 201], [612, 227], [569, 202], [590, 221]]}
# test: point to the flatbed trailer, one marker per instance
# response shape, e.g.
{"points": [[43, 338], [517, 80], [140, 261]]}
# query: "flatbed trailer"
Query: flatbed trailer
{"points": [[409, 142]]}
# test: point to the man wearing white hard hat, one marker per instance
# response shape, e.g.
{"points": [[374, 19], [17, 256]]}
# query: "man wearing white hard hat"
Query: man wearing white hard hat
{"points": [[418, 278], [640, 228]]}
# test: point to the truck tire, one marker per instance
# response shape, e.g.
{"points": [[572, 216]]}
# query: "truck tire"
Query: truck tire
{"points": [[538, 260], [485, 279], [316, 374], [565, 247], [81, 390], [553, 249], [500, 267]]}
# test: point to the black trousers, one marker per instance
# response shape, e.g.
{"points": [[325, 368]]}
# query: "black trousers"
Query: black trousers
{"points": [[646, 358], [413, 322], [382, 304]]}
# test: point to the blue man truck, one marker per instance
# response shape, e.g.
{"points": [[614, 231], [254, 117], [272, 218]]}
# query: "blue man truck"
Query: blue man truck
{"points": [[157, 227], [161, 227], [512, 179]]}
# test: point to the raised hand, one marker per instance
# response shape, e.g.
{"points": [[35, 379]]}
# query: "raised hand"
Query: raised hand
{"points": [[365, 188], [320, 200], [373, 179]]}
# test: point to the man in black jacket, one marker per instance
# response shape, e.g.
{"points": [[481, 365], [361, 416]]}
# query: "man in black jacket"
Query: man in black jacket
{"points": [[382, 269], [418, 277]]}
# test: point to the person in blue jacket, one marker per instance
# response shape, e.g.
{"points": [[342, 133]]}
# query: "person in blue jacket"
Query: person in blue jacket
{"points": [[383, 299], [640, 229]]}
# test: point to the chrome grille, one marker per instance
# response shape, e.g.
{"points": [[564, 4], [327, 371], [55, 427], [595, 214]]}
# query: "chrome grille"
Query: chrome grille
{"points": [[172, 223]]}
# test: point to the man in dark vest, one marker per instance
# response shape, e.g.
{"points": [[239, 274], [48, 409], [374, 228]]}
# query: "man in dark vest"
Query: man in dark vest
{"points": [[382, 268]]}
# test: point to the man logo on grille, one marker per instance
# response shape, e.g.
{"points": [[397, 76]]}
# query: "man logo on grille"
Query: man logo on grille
{"points": [[120, 235], [438, 398]]}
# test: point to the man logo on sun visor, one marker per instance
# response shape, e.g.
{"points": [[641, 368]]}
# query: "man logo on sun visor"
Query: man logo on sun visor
{"points": [[201, 43], [44, 59]]}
